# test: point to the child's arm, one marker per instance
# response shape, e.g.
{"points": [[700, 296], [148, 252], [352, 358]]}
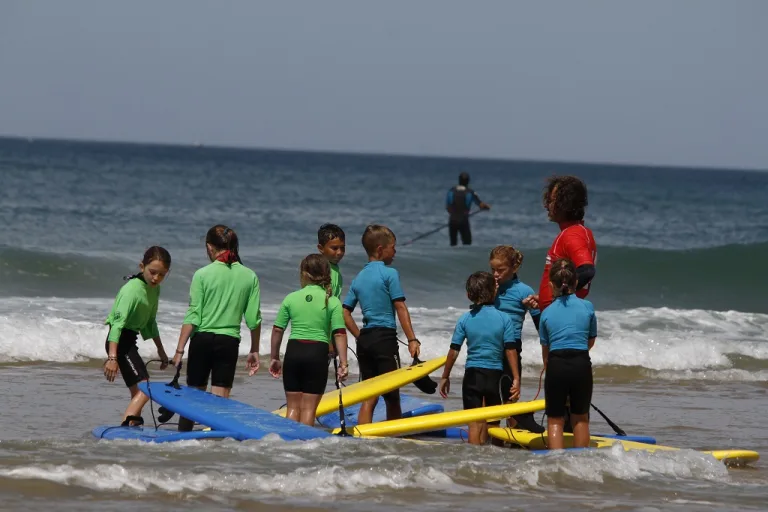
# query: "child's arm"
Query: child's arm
{"points": [[192, 319], [544, 337], [161, 353], [459, 335], [445, 381], [349, 322], [275, 366], [253, 322], [405, 322], [512, 358], [340, 342], [592, 330], [510, 351]]}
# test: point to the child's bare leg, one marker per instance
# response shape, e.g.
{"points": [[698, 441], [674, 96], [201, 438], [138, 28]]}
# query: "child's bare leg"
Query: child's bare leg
{"points": [[476, 432], [555, 433], [309, 408], [366, 411], [580, 424], [220, 391], [392, 401], [137, 403], [294, 401]]}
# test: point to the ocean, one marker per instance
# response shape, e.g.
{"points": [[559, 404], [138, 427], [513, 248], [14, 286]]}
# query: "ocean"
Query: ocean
{"points": [[680, 296]]}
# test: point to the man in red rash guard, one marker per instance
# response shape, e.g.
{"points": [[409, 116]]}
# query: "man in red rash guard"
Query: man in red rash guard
{"points": [[565, 198]]}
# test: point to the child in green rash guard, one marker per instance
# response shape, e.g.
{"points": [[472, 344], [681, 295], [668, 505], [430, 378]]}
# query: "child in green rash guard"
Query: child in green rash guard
{"points": [[134, 312], [331, 244], [221, 294], [316, 320], [377, 289]]}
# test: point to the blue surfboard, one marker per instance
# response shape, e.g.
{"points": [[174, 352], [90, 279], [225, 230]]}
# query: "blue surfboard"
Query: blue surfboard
{"points": [[225, 414], [409, 405], [162, 435]]}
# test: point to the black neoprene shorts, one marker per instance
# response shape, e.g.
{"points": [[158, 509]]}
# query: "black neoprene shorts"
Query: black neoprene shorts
{"points": [[480, 385], [569, 376], [377, 354], [131, 365], [305, 367], [213, 355]]}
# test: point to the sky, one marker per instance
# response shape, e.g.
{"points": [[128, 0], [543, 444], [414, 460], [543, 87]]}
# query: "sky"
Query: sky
{"points": [[647, 82]]}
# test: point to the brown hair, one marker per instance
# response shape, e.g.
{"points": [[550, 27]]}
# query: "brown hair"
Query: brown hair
{"points": [[223, 238], [512, 256], [481, 288], [570, 199], [563, 277], [154, 253], [315, 269], [376, 235]]}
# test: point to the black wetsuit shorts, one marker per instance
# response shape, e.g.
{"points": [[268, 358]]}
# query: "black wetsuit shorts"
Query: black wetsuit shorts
{"points": [[213, 355], [131, 365], [569, 376], [305, 367]]}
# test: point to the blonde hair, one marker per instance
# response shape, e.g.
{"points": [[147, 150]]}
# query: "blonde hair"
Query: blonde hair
{"points": [[512, 256], [376, 235], [315, 269]]}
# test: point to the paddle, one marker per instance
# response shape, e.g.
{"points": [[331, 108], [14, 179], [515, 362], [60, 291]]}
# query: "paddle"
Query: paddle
{"points": [[424, 235], [614, 426], [342, 419]]}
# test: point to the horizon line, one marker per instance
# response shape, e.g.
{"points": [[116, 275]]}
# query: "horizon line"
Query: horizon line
{"points": [[391, 154]]}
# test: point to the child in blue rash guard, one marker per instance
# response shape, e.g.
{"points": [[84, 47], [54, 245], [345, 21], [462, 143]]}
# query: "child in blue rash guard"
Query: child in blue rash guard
{"points": [[490, 335], [377, 289], [568, 329], [505, 261], [134, 312]]}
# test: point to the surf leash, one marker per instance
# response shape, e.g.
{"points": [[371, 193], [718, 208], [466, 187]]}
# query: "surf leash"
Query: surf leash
{"points": [[432, 232], [614, 426], [342, 419]]}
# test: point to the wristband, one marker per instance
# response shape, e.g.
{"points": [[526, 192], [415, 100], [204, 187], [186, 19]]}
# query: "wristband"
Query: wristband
{"points": [[179, 351], [414, 339], [110, 358]]}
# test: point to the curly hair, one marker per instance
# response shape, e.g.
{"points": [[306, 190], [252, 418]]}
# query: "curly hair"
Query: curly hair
{"points": [[570, 198]]}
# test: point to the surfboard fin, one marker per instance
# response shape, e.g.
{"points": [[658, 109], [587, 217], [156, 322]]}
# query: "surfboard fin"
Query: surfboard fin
{"points": [[425, 384], [165, 415]]}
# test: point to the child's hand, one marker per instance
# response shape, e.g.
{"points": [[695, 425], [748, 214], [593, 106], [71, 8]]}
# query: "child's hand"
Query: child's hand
{"points": [[514, 391], [252, 363], [531, 302], [343, 372], [414, 347], [110, 370], [445, 386], [275, 368], [163, 358]]}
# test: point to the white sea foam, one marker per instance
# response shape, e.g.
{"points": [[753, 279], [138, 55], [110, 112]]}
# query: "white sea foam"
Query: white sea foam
{"points": [[680, 344]]}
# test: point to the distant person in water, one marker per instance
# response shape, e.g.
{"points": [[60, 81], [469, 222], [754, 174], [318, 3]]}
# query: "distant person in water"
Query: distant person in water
{"points": [[458, 202]]}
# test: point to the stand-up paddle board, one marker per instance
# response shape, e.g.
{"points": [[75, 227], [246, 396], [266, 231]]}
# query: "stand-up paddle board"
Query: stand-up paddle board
{"points": [[225, 414], [163, 435], [538, 443], [443, 420], [377, 386], [409, 405]]}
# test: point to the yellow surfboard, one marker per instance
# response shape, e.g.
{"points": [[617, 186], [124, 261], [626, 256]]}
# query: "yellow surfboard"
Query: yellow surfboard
{"points": [[442, 420], [377, 386], [539, 442]]}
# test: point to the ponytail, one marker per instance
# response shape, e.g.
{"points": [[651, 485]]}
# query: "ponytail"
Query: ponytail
{"points": [[563, 277], [224, 240]]}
